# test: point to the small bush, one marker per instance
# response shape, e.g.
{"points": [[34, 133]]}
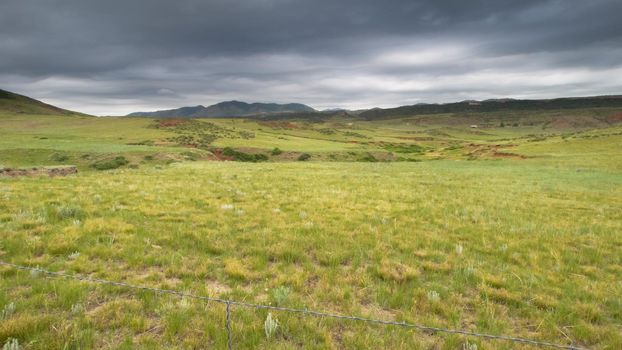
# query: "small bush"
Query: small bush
{"points": [[191, 155], [57, 157], [142, 143], [453, 147], [303, 157], [433, 296], [405, 148], [69, 212], [368, 158], [7, 311], [270, 325], [276, 152], [280, 295], [244, 157], [261, 157], [108, 164], [11, 344]]}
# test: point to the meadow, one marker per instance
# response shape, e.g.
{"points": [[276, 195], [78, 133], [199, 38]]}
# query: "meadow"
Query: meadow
{"points": [[500, 229]]}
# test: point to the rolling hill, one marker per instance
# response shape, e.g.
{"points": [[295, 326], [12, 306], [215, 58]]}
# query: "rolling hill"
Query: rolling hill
{"points": [[227, 109], [14, 103], [495, 105], [273, 111]]}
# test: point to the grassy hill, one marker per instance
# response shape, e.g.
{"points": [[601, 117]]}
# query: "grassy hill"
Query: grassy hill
{"points": [[39, 140], [511, 227], [14, 103], [498, 105]]}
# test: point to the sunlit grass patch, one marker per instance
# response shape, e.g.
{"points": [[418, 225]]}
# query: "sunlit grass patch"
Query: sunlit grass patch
{"points": [[487, 246]]}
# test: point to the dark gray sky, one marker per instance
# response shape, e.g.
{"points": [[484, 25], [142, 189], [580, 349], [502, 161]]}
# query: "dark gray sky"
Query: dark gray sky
{"points": [[119, 56]]}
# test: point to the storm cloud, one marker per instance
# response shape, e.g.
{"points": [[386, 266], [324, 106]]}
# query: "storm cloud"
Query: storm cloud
{"points": [[115, 57]]}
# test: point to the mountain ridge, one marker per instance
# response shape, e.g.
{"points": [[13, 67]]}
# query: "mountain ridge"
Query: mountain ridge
{"points": [[495, 105], [231, 108], [293, 110]]}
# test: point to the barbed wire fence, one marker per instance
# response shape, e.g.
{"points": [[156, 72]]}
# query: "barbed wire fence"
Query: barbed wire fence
{"points": [[230, 303]]}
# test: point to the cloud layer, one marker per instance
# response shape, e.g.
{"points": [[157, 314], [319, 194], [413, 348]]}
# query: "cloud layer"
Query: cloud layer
{"points": [[118, 56]]}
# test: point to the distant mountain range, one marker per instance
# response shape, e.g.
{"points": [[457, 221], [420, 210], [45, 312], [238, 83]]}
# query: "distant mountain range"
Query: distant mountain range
{"points": [[227, 109], [15, 103], [295, 110]]}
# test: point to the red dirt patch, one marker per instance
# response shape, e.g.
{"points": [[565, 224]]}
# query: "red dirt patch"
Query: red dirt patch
{"points": [[616, 118], [279, 125], [417, 138], [507, 155], [561, 123], [487, 151], [217, 152], [171, 123]]}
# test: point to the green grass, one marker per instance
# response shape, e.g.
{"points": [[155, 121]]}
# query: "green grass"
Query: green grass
{"points": [[538, 257], [524, 247]]}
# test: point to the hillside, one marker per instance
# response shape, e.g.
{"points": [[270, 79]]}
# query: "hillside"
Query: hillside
{"points": [[14, 103], [227, 109], [496, 105], [273, 111]]}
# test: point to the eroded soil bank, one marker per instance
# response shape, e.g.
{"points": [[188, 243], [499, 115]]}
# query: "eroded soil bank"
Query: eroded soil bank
{"points": [[49, 171]]}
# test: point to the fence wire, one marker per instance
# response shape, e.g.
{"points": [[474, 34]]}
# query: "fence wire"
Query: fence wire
{"points": [[229, 303]]}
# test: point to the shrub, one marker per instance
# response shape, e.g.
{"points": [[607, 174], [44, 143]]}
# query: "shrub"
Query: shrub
{"points": [[244, 157], [69, 212], [108, 164], [142, 143], [303, 157], [191, 155], [57, 157], [405, 148], [276, 151], [368, 158], [433, 296], [7, 311], [326, 131], [280, 295], [270, 325], [261, 157], [11, 344]]}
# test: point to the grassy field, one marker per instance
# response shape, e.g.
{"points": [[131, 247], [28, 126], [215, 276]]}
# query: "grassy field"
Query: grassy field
{"points": [[504, 230], [36, 140]]}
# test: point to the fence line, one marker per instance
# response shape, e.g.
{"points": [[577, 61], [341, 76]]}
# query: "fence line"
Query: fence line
{"points": [[229, 303]]}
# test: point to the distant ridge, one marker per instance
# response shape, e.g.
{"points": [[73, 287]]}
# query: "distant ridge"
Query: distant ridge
{"points": [[11, 102], [227, 109], [495, 105], [296, 110]]}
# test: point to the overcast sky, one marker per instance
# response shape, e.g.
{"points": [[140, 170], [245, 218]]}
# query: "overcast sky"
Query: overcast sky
{"points": [[119, 56]]}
